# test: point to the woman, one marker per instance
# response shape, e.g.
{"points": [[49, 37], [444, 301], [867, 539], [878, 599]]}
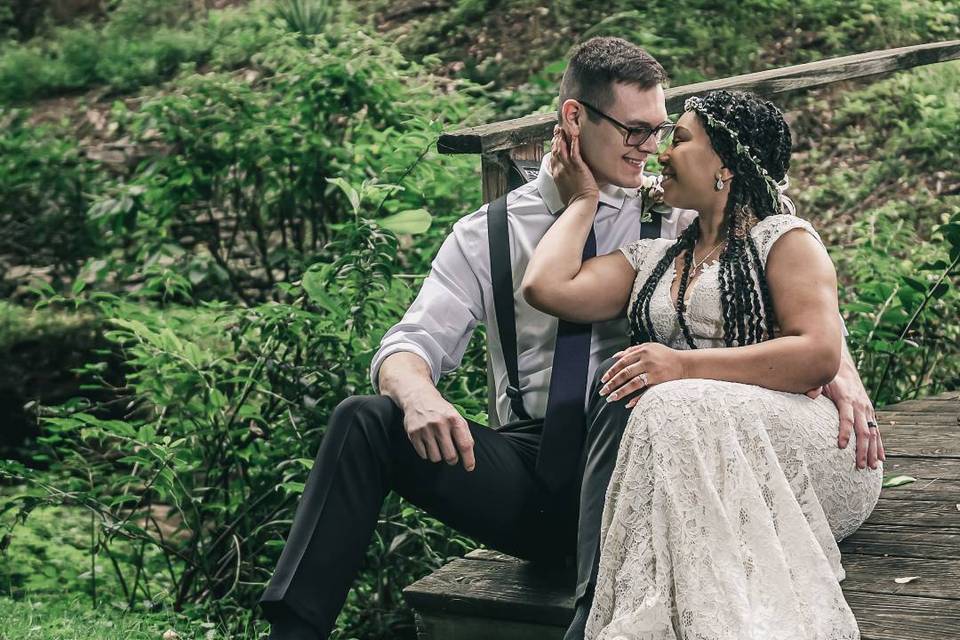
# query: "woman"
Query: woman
{"points": [[729, 492]]}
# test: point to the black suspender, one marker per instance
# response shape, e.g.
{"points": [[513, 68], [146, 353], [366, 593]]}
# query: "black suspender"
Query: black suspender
{"points": [[651, 228], [501, 277]]}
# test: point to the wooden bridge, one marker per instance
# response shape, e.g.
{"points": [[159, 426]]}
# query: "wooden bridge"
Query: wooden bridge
{"points": [[914, 532]]}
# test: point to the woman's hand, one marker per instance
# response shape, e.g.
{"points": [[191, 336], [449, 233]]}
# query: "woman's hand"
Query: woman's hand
{"points": [[640, 366], [572, 175]]}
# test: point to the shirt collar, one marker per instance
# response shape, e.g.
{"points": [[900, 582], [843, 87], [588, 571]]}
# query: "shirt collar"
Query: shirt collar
{"points": [[610, 195]]}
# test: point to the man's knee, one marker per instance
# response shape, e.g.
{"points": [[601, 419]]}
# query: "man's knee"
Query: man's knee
{"points": [[604, 418], [602, 369], [362, 416]]}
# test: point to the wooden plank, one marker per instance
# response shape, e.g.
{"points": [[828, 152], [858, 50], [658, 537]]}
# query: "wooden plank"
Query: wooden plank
{"points": [[917, 513], [938, 578], [924, 441], [489, 594], [499, 136], [904, 541], [941, 424], [922, 468], [521, 131], [880, 617], [948, 418], [459, 627], [502, 590], [491, 556], [924, 405], [898, 617], [823, 72], [932, 489]]}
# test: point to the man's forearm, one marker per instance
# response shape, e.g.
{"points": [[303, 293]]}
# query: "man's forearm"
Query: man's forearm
{"points": [[405, 377], [846, 359]]}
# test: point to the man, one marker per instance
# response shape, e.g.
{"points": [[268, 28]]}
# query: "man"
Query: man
{"points": [[499, 486]]}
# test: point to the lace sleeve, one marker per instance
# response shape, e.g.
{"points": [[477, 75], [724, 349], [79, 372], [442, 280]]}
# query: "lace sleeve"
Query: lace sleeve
{"points": [[769, 230], [637, 251]]}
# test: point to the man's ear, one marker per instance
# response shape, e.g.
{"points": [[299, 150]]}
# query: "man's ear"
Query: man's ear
{"points": [[571, 113]]}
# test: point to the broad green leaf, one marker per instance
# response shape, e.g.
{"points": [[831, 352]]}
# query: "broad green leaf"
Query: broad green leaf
{"points": [[295, 488], [352, 194], [897, 481], [315, 283], [409, 222]]}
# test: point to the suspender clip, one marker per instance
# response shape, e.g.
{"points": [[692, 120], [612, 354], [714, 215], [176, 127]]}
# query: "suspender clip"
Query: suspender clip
{"points": [[513, 393]]}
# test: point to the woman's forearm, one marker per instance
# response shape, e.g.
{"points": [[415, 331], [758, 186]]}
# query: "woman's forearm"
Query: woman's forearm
{"points": [[558, 257], [791, 363]]}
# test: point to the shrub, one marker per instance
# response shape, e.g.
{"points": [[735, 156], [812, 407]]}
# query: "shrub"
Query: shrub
{"points": [[242, 200], [192, 486], [885, 191], [46, 185]]}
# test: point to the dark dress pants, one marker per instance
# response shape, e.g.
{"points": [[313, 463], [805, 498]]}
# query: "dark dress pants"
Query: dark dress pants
{"points": [[605, 425], [364, 454]]}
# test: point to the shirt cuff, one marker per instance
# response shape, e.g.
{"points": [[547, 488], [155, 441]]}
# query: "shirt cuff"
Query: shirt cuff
{"points": [[385, 352]]}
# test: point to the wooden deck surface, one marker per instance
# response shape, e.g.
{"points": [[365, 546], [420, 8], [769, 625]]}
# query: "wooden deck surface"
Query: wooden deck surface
{"points": [[914, 531]]}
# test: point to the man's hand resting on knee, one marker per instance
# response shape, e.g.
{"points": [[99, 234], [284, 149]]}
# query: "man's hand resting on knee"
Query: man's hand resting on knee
{"points": [[856, 413], [435, 428]]}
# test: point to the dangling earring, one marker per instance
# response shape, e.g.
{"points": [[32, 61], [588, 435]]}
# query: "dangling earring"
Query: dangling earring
{"points": [[719, 185]]}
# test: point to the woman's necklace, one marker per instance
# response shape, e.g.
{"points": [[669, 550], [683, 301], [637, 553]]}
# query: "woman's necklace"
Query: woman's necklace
{"points": [[698, 263]]}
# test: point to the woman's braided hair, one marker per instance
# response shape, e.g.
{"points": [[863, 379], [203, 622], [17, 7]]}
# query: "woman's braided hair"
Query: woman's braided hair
{"points": [[750, 135]]}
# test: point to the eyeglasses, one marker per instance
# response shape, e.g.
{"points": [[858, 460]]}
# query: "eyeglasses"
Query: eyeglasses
{"points": [[636, 136]]}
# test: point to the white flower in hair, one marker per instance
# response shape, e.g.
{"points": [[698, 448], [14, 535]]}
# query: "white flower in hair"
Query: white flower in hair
{"points": [[777, 190]]}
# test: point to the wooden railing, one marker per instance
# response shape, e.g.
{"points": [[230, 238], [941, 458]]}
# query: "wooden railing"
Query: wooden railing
{"points": [[522, 139]]}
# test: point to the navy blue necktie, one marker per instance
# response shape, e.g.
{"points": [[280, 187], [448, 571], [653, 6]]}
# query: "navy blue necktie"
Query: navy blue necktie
{"points": [[564, 425]]}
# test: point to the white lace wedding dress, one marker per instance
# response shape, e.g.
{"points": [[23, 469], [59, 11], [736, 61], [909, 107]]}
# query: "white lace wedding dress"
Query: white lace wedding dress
{"points": [[727, 499]]}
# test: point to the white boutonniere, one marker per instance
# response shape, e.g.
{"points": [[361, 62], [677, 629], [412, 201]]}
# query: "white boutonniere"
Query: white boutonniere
{"points": [[651, 197]]}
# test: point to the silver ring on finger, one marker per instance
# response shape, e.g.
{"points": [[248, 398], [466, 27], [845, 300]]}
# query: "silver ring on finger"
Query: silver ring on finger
{"points": [[643, 378]]}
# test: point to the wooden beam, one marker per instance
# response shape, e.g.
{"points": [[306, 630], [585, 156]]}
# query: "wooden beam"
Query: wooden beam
{"points": [[500, 136], [896, 617]]}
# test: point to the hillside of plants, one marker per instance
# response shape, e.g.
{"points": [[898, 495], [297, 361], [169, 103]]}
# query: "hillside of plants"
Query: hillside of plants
{"points": [[212, 210]]}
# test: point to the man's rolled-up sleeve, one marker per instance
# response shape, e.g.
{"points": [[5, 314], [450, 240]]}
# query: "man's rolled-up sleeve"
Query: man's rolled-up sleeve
{"points": [[438, 325]]}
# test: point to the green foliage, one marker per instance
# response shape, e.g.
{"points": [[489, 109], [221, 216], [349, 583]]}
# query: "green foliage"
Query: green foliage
{"points": [[82, 56], [192, 485], [306, 17], [18, 324], [896, 254], [903, 305], [242, 200], [136, 17], [142, 42], [694, 39], [53, 550], [71, 618], [46, 185]]}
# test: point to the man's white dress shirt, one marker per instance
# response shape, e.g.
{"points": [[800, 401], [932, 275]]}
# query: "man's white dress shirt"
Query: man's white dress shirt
{"points": [[458, 294]]}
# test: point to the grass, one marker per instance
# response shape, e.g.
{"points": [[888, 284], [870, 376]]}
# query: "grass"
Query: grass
{"points": [[74, 619]]}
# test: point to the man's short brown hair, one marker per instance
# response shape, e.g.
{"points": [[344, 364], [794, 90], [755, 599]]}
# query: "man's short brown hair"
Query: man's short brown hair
{"points": [[598, 63]]}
